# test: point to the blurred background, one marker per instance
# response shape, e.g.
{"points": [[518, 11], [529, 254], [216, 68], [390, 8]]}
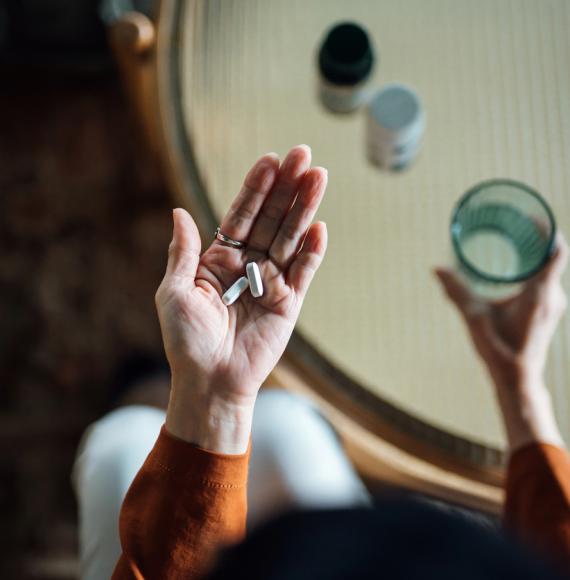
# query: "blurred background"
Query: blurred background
{"points": [[84, 228]]}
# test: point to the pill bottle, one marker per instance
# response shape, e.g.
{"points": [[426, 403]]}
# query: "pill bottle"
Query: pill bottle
{"points": [[345, 63], [395, 123]]}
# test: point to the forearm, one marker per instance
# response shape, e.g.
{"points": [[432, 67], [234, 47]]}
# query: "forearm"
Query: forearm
{"points": [[527, 412]]}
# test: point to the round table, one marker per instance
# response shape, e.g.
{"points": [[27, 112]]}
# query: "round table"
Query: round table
{"points": [[377, 340]]}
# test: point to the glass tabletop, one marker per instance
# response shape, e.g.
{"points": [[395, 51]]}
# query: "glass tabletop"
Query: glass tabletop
{"points": [[494, 81]]}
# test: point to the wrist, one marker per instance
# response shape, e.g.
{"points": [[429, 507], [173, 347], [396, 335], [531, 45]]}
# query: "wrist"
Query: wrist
{"points": [[527, 411], [515, 375], [199, 414]]}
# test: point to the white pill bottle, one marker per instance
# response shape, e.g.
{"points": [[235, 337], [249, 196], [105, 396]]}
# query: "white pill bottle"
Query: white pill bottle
{"points": [[395, 124]]}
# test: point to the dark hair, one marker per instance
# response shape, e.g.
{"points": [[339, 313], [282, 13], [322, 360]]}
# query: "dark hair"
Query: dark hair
{"points": [[400, 539]]}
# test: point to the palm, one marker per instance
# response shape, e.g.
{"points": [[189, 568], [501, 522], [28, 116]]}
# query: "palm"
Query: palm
{"points": [[238, 346], [244, 342]]}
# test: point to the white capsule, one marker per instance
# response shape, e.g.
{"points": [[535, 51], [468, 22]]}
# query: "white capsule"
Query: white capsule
{"points": [[235, 291], [254, 277]]}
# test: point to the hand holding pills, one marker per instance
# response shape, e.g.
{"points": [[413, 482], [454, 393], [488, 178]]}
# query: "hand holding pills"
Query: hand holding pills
{"points": [[227, 314]]}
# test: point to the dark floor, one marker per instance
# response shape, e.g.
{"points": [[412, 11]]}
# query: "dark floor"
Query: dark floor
{"points": [[84, 229]]}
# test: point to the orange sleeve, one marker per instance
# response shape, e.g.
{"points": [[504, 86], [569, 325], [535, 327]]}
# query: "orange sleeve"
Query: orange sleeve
{"points": [[183, 504], [537, 506]]}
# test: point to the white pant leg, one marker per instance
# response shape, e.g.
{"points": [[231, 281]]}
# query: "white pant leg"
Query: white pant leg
{"points": [[296, 461], [110, 454]]}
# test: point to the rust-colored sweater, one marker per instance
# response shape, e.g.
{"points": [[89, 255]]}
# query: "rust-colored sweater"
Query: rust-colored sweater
{"points": [[186, 502]]}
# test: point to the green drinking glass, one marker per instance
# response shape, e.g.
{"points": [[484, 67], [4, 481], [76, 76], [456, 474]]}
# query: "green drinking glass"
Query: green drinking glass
{"points": [[502, 232]]}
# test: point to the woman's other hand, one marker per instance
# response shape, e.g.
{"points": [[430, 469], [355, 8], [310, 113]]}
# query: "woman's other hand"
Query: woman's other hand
{"points": [[512, 337]]}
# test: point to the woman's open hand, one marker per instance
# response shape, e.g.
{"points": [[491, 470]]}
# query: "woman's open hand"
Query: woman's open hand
{"points": [[219, 356]]}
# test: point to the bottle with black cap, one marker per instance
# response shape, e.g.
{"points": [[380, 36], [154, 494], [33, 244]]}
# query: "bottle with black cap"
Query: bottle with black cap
{"points": [[346, 60]]}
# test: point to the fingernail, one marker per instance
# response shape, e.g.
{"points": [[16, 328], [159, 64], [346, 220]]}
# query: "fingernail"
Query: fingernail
{"points": [[270, 158], [307, 149], [296, 162], [267, 162], [264, 171]]}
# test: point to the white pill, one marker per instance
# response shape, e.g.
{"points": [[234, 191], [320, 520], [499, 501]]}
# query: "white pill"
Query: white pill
{"points": [[235, 291], [254, 277]]}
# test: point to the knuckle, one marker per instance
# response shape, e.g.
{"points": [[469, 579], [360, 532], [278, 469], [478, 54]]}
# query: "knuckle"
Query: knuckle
{"points": [[158, 296], [289, 232], [272, 212], [544, 310], [166, 293], [311, 263], [535, 300], [278, 260], [242, 213]]}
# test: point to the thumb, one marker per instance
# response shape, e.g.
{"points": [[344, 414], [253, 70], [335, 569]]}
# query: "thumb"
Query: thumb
{"points": [[455, 289], [475, 313], [460, 294], [184, 250]]}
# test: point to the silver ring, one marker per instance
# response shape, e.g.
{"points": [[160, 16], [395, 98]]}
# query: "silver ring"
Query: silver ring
{"points": [[227, 240]]}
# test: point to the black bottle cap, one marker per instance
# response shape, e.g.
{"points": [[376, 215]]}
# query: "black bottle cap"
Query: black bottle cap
{"points": [[346, 56]]}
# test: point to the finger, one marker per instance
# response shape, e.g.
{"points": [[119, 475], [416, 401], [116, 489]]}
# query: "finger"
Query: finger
{"points": [[239, 219], [455, 288], [556, 265], [309, 258], [288, 240], [277, 204], [184, 250]]}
